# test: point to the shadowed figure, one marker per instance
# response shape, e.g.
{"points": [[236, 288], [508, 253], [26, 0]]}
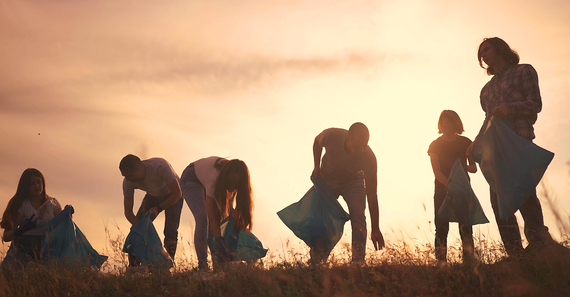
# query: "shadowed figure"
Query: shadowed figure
{"points": [[349, 169], [513, 96], [443, 152], [25, 217], [156, 177]]}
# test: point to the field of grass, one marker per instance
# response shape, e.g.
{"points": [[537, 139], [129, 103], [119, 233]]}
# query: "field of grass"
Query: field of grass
{"points": [[399, 270]]}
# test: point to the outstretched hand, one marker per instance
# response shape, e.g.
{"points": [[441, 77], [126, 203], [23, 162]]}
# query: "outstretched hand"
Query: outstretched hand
{"points": [[377, 239]]}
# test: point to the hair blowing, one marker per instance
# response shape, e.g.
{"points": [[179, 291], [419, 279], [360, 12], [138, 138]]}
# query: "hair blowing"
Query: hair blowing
{"points": [[22, 193], [243, 195]]}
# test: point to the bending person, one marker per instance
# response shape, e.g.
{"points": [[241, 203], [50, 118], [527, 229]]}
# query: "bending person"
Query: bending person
{"points": [[210, 187], [156, 177], [25, 217], [443, 152], [349, 168]]}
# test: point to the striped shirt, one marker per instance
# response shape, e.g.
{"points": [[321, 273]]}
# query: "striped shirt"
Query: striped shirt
{"points": [[516, 86]]}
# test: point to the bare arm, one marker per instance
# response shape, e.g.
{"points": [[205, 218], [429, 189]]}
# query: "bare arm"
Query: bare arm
{"points": [[472, 166], [372, 197], [8, 234], [436, 170], [317, 152], [129, 214], [214, 216], [175, 195]]}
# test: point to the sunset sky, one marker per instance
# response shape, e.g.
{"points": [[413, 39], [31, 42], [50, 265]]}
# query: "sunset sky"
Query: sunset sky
{"points": [[83, 83]]}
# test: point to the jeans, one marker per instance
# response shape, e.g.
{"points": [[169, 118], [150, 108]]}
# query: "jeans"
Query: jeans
{"points": [[534, 228], [442, 230], [171, 222], [195, 195], [354, 194]]}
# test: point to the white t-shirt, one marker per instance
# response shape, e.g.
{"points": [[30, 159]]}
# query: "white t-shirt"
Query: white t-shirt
{"points": [[159, 174], [44, 213], [207, 173]]}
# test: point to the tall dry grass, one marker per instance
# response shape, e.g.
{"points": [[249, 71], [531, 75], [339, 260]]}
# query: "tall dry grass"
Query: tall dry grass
{"points": [[401, 269]]}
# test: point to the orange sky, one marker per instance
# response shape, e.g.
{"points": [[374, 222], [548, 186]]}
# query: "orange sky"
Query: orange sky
{"points": [[84, 83]]}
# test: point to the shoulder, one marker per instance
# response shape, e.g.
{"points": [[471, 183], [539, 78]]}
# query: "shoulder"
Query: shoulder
{"points": [[334, 131], [53, 201], [463, 139], [434, 144], [155, 161], [331, 133], [524, 69], [370, 154]]}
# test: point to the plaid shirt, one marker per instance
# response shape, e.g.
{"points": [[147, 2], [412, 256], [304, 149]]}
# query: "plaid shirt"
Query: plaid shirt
{"points": [[516, 86]]}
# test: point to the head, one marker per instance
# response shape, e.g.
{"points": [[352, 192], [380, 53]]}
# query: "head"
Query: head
{"points": [[357, 138], [449, 122], [132, 168], [234, 178], [493, 51], [32, 184]]}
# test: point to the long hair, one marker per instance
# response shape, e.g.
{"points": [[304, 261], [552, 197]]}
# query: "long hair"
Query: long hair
{"points": [[244, 203], [510, 56], [455, 120], [22, 193]]}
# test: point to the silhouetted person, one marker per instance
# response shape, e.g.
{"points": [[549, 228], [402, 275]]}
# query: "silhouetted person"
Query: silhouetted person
{"points": [[25, 217], [350, 170], [211, 186], [443, 152], [156, 177], [513, 95]]}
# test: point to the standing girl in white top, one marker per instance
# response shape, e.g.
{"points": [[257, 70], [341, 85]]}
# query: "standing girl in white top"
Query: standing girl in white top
{"points": [[210, 186], [26, 215]]}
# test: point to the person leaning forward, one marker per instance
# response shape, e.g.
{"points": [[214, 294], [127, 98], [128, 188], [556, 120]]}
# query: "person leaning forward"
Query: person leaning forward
{"points": [[350, 170], [156, 177]]}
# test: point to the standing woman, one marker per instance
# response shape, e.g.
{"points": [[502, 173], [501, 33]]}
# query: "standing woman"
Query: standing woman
{"points": [[210, 187], [443, 152], [26, 215]]}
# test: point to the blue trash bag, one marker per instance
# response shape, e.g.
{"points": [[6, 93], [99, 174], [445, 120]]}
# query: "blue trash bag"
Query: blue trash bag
{"points": [[144, 243], [318, 218], [511, 164], [243, 245], [63, 241], [461, 204]]}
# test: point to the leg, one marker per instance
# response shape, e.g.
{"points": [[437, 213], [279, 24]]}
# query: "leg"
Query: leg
{"points": [[171, 223], [466, 233], [509, 229], [534, 228], [441, 227], [318, 252], [354, 194], [195, 195]]}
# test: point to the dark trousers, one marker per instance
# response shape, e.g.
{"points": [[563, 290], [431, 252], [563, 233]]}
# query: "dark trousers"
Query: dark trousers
{"points": [[534, 228], [171, 222], [442, 229]]}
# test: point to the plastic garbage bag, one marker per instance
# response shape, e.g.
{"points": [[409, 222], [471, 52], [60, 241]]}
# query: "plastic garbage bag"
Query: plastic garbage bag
{"points": [[143, 242], [318, 218], [65, 242], [461, 204], [243, 245], [511, 164]]}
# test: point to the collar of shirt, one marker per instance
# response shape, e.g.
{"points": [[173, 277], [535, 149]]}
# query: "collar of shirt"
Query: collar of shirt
{"points": [[503, 69]]}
